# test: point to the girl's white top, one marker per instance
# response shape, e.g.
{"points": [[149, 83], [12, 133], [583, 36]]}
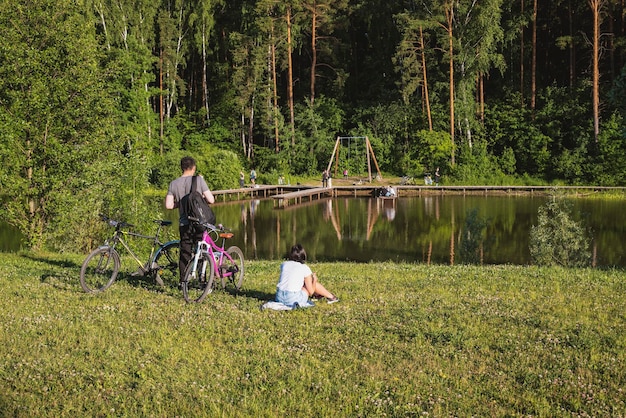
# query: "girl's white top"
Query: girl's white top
{"points": [[292, 276]]}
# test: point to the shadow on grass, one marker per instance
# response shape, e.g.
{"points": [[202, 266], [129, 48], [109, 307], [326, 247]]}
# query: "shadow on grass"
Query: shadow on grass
{"points": [[59, 273], [64, 274], [147, 282], [53, 262], [252, 294]]}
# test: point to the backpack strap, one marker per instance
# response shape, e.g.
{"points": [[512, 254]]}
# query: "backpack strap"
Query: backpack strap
{"points": [[194, 186]]}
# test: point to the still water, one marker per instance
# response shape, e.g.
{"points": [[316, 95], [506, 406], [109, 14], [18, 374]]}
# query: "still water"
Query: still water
{"points": [[425, 229]]}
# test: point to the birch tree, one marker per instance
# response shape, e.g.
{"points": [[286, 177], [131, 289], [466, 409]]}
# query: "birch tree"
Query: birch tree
{"points": [[202, 22]]}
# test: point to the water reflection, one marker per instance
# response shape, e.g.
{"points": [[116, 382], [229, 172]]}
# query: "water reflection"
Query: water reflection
{"points": [[425, 229], [10, 238]]}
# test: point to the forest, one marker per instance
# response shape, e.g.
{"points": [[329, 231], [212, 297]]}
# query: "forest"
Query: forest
{"points": [[99, 99]]}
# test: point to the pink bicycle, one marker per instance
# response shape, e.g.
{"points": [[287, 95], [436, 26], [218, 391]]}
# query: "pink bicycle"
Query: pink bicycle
{"points": [[210, 261]]}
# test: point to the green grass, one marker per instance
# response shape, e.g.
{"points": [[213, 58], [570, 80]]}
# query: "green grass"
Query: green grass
{"points": [[405, 340]]}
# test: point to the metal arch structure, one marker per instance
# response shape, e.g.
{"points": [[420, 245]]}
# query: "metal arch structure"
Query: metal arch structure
{"points": [[369, 151]]}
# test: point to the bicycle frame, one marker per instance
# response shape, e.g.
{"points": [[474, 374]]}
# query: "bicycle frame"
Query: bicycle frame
{"points": [[208, 246], [100, 268], [210, 261], [157, 245]]}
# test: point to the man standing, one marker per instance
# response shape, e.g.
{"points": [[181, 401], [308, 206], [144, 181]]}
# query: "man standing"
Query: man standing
{"points": [[176, 191]]}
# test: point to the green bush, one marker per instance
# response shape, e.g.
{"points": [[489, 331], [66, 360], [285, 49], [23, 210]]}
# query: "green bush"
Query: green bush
{"points": [[220, 168], [166, 168], [558, 239], [472, 238]]}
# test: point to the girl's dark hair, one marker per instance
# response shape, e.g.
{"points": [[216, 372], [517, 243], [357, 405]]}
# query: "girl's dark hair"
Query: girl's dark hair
{"points": [[297, 253]]}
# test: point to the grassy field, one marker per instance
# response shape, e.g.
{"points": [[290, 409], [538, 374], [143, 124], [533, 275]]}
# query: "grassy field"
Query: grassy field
{"points": [[405, 340]]}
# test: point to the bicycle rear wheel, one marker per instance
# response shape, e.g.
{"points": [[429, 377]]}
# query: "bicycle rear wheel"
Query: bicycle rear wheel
{"points": [[165, 265], [99, 269], [231, 272], [198, 283]]}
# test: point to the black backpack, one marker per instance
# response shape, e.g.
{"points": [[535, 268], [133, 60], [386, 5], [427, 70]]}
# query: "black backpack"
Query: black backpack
{"points": [[196, 208]]}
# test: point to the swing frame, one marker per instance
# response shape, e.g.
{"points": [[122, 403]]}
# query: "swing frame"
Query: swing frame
{"points": [[369, 152]]}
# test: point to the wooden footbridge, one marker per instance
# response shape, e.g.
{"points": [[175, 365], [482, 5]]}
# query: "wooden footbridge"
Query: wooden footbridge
{"points": [[288, 195], [283, 196]]}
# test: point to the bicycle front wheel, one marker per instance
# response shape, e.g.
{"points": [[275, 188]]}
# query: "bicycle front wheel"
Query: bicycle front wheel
{"points": [[198, 282], [231, 272], [99, 269], [165, 265]]}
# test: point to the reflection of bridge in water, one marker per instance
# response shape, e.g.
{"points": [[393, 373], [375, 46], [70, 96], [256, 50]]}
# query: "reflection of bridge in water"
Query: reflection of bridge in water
{"points": [[427, 228], [288, 195], [375, 207]]}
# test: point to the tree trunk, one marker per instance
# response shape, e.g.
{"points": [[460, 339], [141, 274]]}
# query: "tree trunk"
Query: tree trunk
{"points": [[596, 8], [244, 142], [533, 70], [251, 129], [205, 87], [521, 60], [29, 175], [426, 97], [290, 79], [161, 131], [275, 109], [481, 98], [313, 51], [100, 11], [611, 42], [450, 18], [572, 51]]}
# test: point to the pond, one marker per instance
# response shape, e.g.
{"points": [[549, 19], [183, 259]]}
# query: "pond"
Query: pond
{"points": [[424, 229]]}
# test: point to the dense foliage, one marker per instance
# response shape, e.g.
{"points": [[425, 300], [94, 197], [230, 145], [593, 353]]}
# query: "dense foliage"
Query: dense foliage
{"points": [[100, 99], [558, 239]]}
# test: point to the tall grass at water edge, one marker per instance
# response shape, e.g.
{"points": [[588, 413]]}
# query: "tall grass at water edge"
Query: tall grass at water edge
{"points": [[405, 340]]}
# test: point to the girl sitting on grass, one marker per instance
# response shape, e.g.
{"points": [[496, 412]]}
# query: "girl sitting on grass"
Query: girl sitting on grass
{"points": [[297, 282]]}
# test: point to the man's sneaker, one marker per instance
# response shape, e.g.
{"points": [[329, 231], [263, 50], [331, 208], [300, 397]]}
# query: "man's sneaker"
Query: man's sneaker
{"points": [[332, 300]]}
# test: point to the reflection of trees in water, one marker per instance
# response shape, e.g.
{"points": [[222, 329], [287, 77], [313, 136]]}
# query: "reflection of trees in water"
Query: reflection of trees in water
{"points": [[11, 239], [351, 225], [247, 211], [329, 214], [426, 229]]}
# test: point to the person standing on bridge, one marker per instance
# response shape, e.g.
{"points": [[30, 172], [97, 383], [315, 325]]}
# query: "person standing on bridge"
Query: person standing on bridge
{"points": [[325, 178]]}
